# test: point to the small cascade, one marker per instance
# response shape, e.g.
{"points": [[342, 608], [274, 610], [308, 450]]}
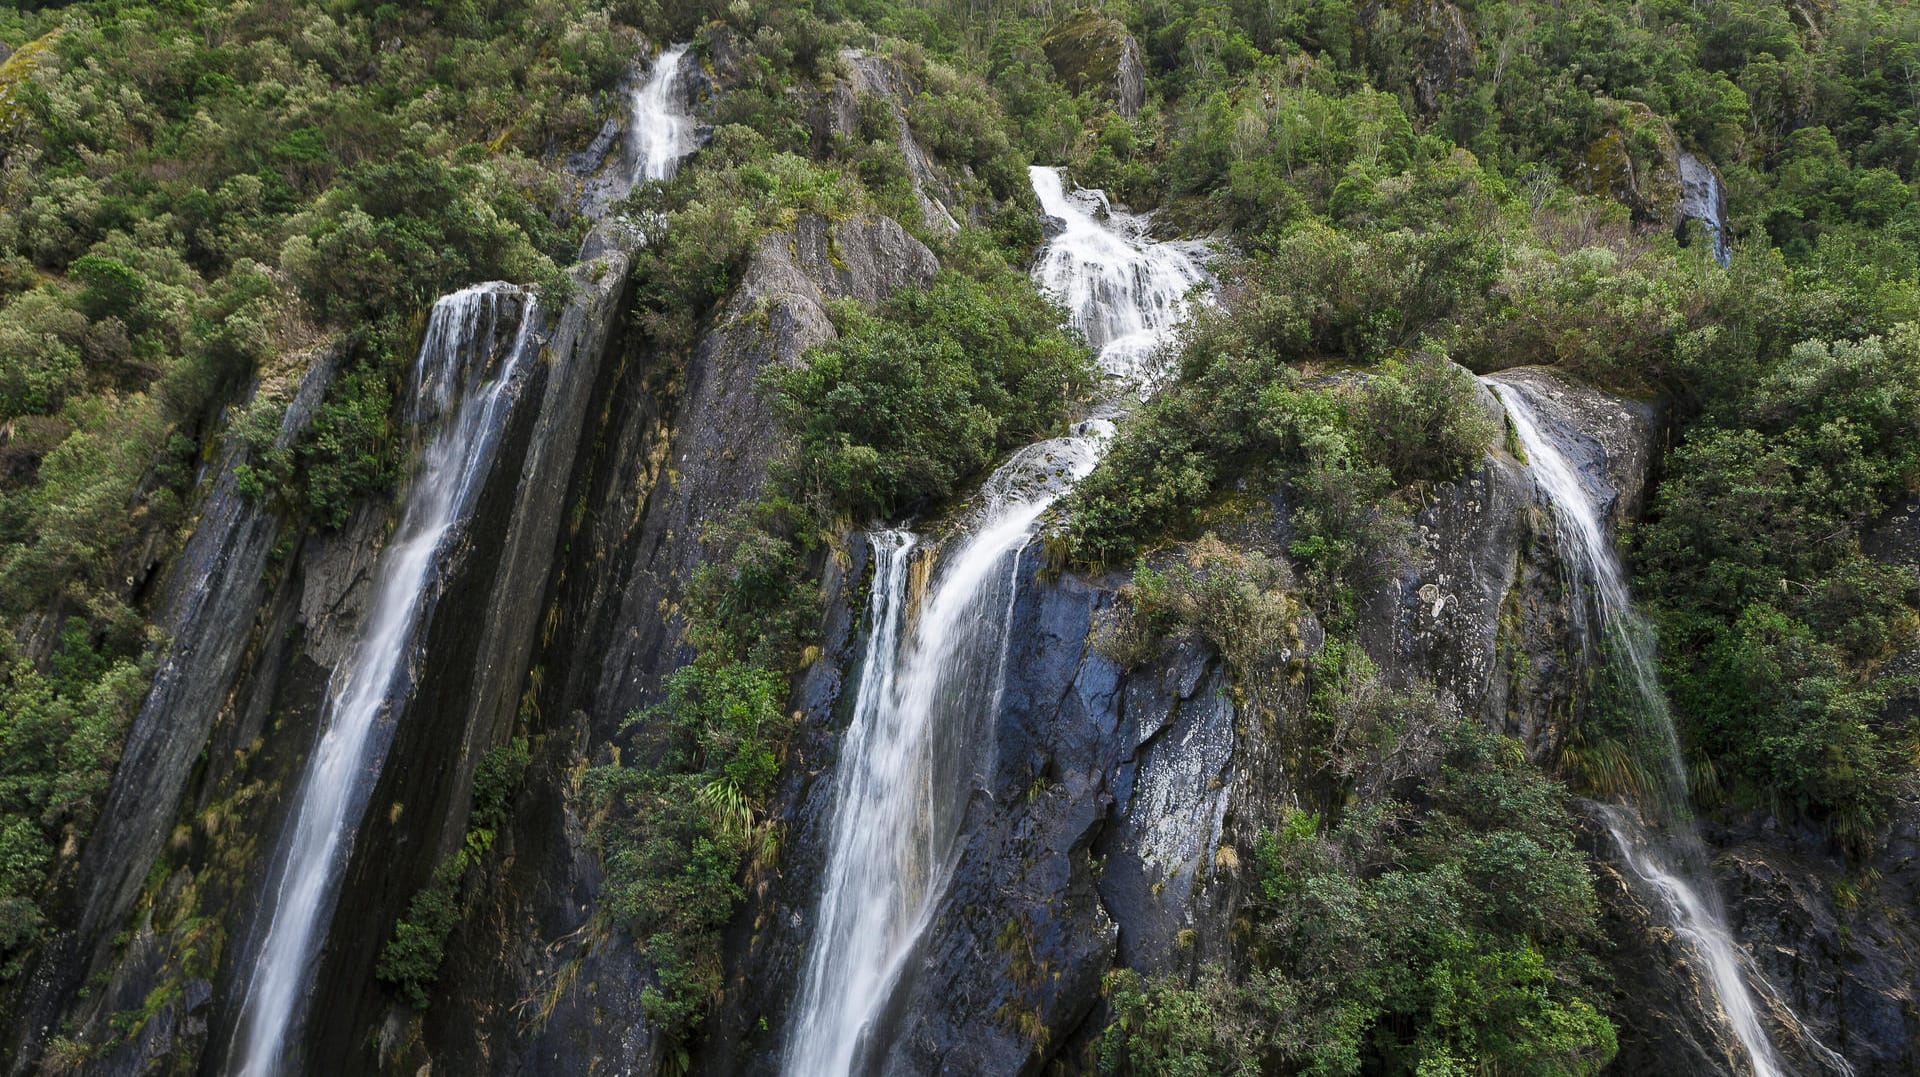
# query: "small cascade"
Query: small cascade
{"points": [[929, 688], [660, 133], [1656, 836], [476, 340], [1121, 289], [1703, 198]]}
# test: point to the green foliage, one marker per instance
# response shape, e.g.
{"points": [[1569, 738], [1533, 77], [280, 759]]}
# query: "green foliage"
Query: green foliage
{"points": [[348, 452], [759, 603], [60, 733], [1455, 936], [1235, 600], [1776, 625], [1423, 420], [396, 233], [677, 825], [711, 215], [912, 400], [411, 959]]}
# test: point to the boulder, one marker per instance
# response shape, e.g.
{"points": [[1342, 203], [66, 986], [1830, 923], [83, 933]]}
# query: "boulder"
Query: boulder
{"points": [[1639, 162], [1443, 50], [1094, 52]]}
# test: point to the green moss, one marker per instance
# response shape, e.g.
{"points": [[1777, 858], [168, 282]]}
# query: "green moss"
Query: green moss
{"points": [[1086, 49]]}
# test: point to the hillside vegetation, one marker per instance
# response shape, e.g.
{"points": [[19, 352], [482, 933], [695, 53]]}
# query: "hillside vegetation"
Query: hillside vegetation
{"points": [[195, 195]]}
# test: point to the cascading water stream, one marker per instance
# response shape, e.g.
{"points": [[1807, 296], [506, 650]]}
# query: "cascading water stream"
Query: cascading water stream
{"points": [[924, 706], [1669, 858], [1123, 291], [1703, 198], [661, 133], [460, 382]]}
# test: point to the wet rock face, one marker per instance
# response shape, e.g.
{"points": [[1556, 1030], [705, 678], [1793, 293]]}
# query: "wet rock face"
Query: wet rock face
{"points": [[1845, 963], [209, 601], [680, 445], [1659, 992], [1110, 828], [236, 724], [1703, 198], [1639, 162], [1095, 52]]}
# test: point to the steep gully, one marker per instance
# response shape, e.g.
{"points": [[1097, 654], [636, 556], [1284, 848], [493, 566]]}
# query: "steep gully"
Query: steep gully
{"points": [[475, 341]]}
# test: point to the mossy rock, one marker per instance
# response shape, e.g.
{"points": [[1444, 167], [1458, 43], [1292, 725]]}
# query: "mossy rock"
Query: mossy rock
{"points": [[1094, 52], [15, 70], [1636, 162]]}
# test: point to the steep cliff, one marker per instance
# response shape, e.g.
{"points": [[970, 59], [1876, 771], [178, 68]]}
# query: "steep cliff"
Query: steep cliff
{"points": [[1111, 827], [535, 982]]}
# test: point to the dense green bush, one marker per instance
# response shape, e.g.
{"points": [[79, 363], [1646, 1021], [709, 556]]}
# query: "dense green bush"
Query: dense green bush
{"points": [[348, 451], [1777, 624], [1422, 420], [60, 733], [395, 234], [678, 824], [1454, 936], [411, 959], [912, 400]]}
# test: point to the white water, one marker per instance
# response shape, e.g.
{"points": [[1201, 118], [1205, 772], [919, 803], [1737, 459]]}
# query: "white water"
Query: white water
{"points": [[1124, 291], [660, 134], [460, 382], [928, 692], [1670, 860]]}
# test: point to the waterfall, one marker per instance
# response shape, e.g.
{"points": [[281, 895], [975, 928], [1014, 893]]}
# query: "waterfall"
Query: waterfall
{"points": [[475, 342], [1703, 198], [660, 134], [923, 712], [1656, 837], [1125, 292]]}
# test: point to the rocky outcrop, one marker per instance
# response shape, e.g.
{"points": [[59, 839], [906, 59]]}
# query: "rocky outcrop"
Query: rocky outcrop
{"points": [[205, 793], [1638, 162], [1635, 161], [1112, 824], [887, 80], [1094, 52], [206, 606], [1432, 33], [533, 983]]}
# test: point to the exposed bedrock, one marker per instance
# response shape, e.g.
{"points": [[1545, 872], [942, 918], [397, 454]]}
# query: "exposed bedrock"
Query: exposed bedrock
{"points": [[530, 984], [1109, 829]]}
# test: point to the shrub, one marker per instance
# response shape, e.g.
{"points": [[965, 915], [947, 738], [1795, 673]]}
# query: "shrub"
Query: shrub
{"points": [[1399, 940], [347, 452], [1423, 419], [412, 957], [677, 824], [909, 402]]}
